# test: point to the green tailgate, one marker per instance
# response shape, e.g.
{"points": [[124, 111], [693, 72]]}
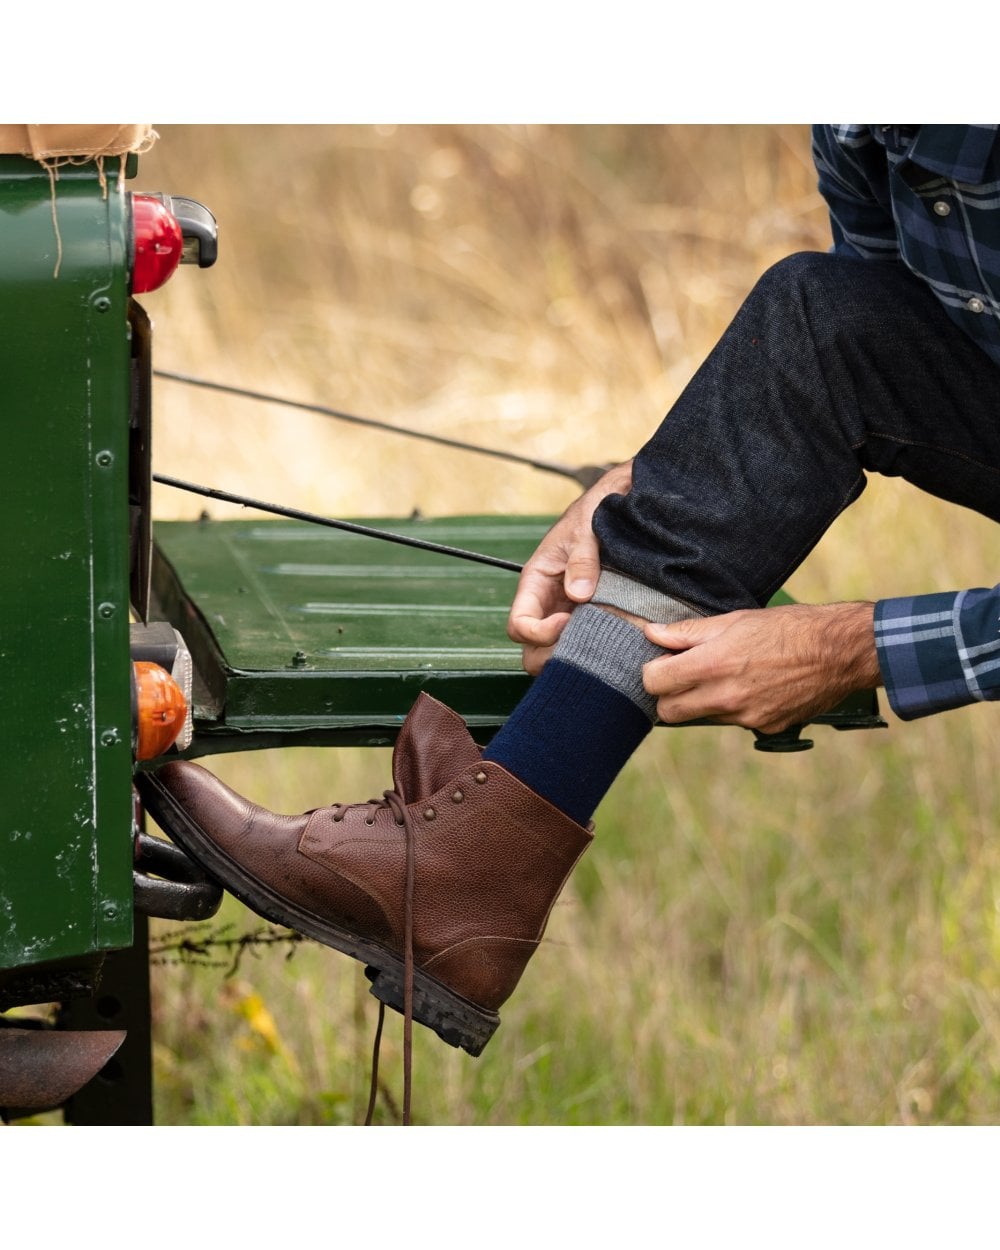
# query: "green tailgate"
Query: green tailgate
{"points": [[305, 635]]}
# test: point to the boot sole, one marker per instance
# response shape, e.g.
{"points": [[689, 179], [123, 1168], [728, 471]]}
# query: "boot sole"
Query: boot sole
{"points": [[453, 1018]]}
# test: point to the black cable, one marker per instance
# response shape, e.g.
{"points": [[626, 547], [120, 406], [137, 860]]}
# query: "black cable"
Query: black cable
{"points": [[350, 526], [586, 475]]}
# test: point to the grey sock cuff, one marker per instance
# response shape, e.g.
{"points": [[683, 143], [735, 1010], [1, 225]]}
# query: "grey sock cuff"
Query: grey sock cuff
{"points": [[612, 649], [619, 591]]}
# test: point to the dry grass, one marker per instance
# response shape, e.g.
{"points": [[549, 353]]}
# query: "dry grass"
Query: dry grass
{"points": [[551, 288], [810, 939]]}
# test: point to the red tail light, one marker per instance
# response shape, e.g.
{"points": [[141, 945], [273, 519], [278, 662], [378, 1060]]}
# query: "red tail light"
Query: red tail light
{"points": [[158, 243]]}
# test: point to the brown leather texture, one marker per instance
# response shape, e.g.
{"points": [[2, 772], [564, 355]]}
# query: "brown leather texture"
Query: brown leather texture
{"points": [[433, 744], [491, 856]]}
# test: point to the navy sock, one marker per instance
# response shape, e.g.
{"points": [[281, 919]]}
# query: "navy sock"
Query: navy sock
{"points": [[583, 716]]}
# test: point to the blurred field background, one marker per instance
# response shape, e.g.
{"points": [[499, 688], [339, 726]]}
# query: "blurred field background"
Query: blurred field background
{"points": [[806, 939]]}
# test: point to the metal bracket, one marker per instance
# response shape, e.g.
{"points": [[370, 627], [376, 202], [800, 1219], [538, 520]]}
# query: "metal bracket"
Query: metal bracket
{"points": [[170, 886]]}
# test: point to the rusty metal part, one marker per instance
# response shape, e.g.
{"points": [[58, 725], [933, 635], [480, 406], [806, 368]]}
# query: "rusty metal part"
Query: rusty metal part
{"points": [[41, 1068]]}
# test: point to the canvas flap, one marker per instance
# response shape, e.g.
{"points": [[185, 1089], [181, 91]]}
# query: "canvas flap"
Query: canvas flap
{"points": [[52, 142]]}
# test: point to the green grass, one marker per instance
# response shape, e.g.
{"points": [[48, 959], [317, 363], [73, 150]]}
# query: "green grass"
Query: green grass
{"points": [[751, 940]]}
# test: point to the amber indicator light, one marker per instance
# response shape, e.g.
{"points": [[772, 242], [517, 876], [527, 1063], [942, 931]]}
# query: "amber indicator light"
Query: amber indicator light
{"points": [[160, 709]]}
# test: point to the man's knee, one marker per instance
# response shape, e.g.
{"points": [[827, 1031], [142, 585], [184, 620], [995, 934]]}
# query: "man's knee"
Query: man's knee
{"points": [[833, 291], [810, 303], [798, 278]]}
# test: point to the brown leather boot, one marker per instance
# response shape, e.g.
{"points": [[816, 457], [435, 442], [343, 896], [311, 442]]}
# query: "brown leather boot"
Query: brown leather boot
{"points": [[485, 858]]}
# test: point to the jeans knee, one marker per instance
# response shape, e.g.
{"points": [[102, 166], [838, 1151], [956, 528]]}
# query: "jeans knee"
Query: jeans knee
{"points": [[796, 276], [801, 303]]}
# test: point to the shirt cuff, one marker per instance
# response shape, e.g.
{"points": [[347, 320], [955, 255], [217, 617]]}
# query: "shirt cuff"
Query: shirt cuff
{"points": [[939, 651]]}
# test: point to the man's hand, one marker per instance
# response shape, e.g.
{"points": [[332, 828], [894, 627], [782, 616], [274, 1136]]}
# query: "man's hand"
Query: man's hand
{"points": [[764, 669], [562, 573]]}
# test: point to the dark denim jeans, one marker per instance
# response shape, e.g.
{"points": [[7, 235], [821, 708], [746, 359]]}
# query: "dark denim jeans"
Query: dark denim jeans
{"points": [[832, 369]]}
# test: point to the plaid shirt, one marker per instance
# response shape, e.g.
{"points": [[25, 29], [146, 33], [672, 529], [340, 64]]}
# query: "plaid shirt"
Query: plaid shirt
{"points": [[925, 195], [928, 196]]}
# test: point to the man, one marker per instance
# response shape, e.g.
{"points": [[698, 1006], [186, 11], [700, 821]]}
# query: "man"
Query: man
{"points": [[646, 600]]}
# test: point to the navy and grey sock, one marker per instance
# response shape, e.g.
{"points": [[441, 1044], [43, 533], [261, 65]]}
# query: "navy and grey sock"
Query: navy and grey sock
{"points": [[588, 710], [584, 714]]}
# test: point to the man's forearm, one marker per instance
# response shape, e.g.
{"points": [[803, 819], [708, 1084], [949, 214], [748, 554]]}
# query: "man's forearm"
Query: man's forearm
{"points": [[850, 645]]}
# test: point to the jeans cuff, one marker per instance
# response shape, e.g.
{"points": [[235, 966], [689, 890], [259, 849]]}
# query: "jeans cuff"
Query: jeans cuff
{"points": [[615, 590]]}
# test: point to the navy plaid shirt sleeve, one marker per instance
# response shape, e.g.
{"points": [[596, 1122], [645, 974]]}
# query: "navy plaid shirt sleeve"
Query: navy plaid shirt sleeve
{"points": [[939, 651], [848, 162]]}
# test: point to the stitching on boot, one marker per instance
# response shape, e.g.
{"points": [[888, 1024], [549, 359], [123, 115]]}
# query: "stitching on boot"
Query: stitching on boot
{"points": [[364, 888], [495, 939], [503, 961]]}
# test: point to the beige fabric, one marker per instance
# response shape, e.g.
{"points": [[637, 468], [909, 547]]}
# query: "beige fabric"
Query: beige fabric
{"points": [[55, 143]]}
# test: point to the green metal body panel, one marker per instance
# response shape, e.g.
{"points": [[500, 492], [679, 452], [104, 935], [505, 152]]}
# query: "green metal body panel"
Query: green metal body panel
{"points": [[65, 760], [302, 635]]}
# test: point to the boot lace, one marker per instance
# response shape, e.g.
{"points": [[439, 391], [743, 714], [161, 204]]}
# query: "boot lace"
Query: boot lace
{"points": [[395, 803]]}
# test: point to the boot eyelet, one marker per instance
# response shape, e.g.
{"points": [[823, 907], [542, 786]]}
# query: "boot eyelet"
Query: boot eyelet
{"points": [[429, 813], [480, 779], [369, 821], [457, 797], [337, 819]]}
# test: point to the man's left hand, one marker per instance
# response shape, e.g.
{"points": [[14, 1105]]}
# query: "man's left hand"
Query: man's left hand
{"points": [[562, 573], [763, 669]]}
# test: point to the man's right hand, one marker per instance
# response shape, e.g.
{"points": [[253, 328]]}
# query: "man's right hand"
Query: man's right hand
{"points": [[562, 573]]}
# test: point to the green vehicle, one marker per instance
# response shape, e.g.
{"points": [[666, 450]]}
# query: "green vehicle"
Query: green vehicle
{"points": [[120, 643]]}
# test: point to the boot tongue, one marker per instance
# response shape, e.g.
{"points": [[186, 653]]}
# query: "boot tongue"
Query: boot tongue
{"points": [[432, 747]]}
